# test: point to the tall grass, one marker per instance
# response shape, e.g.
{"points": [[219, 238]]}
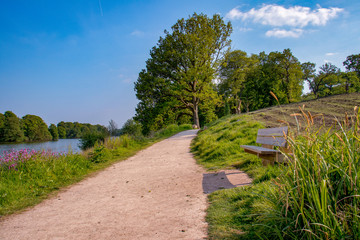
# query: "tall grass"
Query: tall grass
{"points": [[318, 197], [28, 176], [315, 196]]}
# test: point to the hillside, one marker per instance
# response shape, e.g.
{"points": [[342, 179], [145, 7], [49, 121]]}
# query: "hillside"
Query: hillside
{"points": [[326, 109], [232, 212]]}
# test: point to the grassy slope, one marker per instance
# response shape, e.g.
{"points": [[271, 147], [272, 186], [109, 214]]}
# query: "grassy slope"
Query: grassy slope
{"points": [[218, 147], [328, 107]]}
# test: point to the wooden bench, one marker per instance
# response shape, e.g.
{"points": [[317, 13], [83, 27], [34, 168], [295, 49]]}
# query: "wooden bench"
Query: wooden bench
{"points": [[269, 137]]}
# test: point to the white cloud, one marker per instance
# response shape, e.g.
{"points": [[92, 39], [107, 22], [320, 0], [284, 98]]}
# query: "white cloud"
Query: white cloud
{"points": [[297, 16], [282, 33], [137, 33], [330, 54], [244, 29]]}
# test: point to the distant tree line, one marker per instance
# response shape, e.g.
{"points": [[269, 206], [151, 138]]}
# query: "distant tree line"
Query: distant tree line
{"points": [[32, 128], [246, 81], [192, 75]]}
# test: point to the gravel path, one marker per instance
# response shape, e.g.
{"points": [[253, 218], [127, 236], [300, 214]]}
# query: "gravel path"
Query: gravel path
{"points": [[156, 194]]}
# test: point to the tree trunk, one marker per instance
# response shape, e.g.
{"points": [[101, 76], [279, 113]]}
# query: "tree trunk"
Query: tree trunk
{"points": [[196, 113], [238, 107]]}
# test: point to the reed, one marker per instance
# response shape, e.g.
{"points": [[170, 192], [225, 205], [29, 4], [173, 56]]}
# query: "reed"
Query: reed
{"points": [[318, 196]]}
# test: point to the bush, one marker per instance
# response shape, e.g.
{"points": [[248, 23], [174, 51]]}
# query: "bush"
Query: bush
{"points": [[100, 154], [90, 139], [131, 128]]}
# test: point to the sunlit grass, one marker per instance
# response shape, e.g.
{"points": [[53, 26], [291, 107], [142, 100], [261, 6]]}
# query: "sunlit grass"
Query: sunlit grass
{"points": [[315, 196]]}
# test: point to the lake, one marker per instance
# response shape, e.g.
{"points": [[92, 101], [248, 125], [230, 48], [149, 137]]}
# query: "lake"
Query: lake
{"points": [[62, 145]]}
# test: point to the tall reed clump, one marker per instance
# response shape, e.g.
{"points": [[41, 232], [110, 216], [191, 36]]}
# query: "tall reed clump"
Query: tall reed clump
{"points": [[318, 197]]}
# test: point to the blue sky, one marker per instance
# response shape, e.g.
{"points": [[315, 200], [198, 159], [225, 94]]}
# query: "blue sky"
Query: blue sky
{"points": [[78, 60]]}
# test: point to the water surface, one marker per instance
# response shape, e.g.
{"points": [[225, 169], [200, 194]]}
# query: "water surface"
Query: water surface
{"points": [[61, 146]]}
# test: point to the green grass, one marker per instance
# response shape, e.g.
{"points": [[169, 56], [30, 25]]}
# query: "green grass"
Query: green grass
{"points": [[218, 147], [318, 196], [41, 175], [231, 211], [315, 197]]}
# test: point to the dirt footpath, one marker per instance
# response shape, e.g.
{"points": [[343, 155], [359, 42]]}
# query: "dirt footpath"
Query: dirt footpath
{"points": [[156, 194]]}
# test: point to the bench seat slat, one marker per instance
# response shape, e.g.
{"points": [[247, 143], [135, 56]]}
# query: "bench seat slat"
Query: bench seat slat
{"points": [[274, 141], [273, 131], [259, 150]]}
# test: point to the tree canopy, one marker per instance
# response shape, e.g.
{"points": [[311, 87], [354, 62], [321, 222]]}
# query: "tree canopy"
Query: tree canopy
{"points": [[178, 79], [35, 129], [31, 128], [12, 131]]}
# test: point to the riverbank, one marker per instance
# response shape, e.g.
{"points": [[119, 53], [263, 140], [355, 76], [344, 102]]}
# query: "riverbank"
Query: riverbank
{"points": [[37, 175], [156, 194]]}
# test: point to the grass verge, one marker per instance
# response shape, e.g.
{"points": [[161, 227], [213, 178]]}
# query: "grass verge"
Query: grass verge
{"points": [[316, 196], [28, 177]]}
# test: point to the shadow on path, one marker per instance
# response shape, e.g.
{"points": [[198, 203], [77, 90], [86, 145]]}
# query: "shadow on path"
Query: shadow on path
{"points": [[224, 180]]}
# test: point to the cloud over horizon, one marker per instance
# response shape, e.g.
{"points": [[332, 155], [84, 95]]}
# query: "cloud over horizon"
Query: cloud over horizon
{"points": [[282, 33], [296, 17]]}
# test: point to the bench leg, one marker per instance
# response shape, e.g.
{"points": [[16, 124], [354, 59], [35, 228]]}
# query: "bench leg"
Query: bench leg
{"points": [[266, 162]]}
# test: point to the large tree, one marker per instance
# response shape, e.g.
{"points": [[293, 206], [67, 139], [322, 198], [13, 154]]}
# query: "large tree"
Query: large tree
{"points": [[35, 129], [290, 73], [12, 131], [234, 70], [309, 74], [112, 127], [54, 132], [180, 71], [352, 63]]}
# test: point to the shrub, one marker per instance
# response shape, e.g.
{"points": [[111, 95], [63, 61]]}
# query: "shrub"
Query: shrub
{"points": [[90, 139], [131, 128], [100, 154]]}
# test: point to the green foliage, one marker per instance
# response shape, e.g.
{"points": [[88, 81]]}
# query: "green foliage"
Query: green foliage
{"points": [[54, 132], [233, 73], [100, 154], [77, 130], [178, 76], [352, 63], [171, 130], [12, 131], [35, 129], [32, 128], [246, 81], [2, 125], [131, 128], [350, 82], [89, 140], [62, 132]]}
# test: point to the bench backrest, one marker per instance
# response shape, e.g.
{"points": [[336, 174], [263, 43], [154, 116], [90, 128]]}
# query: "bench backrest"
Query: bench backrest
{"points": [[272, 136]]}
